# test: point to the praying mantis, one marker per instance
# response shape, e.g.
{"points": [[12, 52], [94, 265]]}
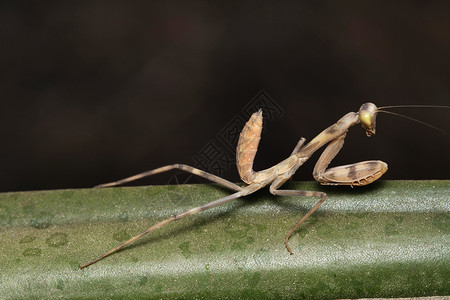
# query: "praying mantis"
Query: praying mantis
{"points": [[357, 174]]}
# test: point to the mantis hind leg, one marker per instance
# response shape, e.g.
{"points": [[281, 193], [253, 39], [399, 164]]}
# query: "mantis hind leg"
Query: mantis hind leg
{"points": [[182, 167], [360, 173]]}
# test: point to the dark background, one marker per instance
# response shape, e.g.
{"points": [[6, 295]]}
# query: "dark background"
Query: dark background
{"points": [[99, 90]]}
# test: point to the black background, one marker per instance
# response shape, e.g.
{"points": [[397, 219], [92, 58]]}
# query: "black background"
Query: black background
{"points": [[99, 90]]}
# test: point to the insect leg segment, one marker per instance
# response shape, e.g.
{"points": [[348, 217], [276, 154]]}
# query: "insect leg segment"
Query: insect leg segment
{"points": [[245, 191], [134, 238], [360, 173], [182, 167], [326, 157], [206, 206], [299, 146], [274, 190]]}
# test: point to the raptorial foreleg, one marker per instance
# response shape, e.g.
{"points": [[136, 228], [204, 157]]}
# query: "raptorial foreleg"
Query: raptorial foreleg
{"points": [[360, 173]]}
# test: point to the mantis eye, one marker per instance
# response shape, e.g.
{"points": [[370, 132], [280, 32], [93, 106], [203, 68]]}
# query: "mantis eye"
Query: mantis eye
{"points": [[365, 118]]}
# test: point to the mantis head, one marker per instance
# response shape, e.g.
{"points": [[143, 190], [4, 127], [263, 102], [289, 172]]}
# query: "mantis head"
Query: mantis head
{"points": [[367, 116]]}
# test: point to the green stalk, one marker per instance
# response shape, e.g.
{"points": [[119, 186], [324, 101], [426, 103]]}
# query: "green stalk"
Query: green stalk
{"points": [[389, 239]]}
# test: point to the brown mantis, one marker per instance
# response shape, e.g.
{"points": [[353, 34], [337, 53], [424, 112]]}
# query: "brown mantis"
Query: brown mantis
{"points": [[357, 174]]}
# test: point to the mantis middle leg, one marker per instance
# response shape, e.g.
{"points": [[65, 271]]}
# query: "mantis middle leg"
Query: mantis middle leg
{"points": [[274, 190], [361, 173]]}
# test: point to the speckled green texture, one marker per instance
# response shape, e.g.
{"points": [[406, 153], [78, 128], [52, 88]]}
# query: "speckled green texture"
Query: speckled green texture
{"points": [[389, 239]]}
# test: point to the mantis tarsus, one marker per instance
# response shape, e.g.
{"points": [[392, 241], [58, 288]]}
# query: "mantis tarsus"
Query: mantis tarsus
{"points": [[357, 174]]}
